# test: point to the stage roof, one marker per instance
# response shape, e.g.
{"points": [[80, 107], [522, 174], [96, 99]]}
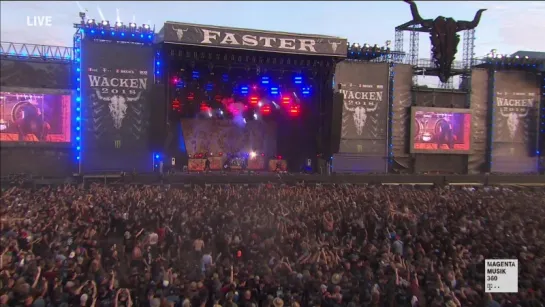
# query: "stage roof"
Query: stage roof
{"points": [[255, 40], [531, 54]]}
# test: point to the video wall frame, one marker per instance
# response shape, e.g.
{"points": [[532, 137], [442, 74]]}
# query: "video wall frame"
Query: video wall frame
{"points": [[35, 117], [440, 130]]}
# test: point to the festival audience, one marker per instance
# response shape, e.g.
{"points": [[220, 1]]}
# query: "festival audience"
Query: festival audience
{"points": [[268, 246]]}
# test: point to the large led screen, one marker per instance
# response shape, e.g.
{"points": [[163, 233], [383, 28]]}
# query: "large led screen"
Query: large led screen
{"points": [[34, 118], [439, 130]]}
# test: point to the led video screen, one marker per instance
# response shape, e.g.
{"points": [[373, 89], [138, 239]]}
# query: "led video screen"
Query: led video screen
{"points": [[439, 130], [34, 118]]}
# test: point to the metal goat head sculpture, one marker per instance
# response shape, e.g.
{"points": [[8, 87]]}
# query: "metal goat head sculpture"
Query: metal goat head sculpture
{"points": [[444, 37]]}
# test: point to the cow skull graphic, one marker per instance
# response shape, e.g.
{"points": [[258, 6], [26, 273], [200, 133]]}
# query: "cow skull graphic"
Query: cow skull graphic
{"points": [[180, 33], [360, 116], [334, 45], [513, 121], [118, 106]]}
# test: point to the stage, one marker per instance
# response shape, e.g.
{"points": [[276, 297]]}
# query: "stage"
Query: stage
{"points": [[216, 178]]}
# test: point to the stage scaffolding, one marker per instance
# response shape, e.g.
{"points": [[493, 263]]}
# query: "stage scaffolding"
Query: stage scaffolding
{"points": [[39, 52], [426, 67]]}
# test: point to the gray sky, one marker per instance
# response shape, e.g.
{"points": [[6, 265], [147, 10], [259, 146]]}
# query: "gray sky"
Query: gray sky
{"points": [[506, 26]]}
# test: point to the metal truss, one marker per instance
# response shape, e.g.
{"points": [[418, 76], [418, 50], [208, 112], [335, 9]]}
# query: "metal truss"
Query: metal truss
{"points": [[32, 51]]}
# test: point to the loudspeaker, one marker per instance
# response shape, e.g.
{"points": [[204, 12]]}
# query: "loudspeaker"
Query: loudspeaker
{"points": [[158, 118]]}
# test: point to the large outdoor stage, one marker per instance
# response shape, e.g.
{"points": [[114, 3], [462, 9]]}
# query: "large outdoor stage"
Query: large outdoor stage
{"points": [[216, 178]]}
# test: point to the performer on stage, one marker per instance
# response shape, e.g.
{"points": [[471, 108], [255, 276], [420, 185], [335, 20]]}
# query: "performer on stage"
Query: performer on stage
{"points": [[207, 165]]}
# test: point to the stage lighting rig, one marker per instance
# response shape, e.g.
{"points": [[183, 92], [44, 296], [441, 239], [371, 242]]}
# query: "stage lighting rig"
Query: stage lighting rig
{"points": [[90, 22], [119, 24]]}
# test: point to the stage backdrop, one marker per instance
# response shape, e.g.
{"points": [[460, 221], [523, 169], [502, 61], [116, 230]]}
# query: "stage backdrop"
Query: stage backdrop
{"points": [[515, 122], [365, 113], [225, 136], [116, 97]]}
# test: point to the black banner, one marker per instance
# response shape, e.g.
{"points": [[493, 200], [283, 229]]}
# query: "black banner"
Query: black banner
{"points": [[365, 107], [211, 36], [116, 91], [514, 135]]}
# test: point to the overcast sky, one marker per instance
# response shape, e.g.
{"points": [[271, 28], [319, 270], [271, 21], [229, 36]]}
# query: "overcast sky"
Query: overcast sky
{"points": [[506, 26]]}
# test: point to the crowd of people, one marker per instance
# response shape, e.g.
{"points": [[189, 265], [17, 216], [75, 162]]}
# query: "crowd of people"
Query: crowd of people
{"points": [[268, 246]]}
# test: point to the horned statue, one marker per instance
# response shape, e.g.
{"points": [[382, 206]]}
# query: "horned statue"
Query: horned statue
{"points": [[444, 37]]}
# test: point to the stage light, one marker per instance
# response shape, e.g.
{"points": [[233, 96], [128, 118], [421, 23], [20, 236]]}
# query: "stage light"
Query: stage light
{"points": [[253, 154], [254, 100], [266, 110], [119, 24], [244, 90], [132, 25], [306, 90], [526, 57], [156, 156], [90, 21], [255, 116], [105, 23], [274, 90], [298, 80], [265, 80], [146, 26], [365, 46], [294, 110], [286, 100]]}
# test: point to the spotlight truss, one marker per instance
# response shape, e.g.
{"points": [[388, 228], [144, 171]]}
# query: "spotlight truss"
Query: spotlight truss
{"points": [[116, 31], [366, 51]]}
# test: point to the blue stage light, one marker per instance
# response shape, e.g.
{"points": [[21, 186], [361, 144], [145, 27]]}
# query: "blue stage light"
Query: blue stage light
{"points": [[77, 158], [78, 99], [122, 34], [77, 138], [78, 89], [78, 148], [132, 35], [274, 90], [78, 119], [244, 90], [102, 32], [77, 128], [298, 80], [141, 35], [156, 156], [113, 33], [149, 36], [157, 63], [265, 80], [93, 31], [78, 109]]}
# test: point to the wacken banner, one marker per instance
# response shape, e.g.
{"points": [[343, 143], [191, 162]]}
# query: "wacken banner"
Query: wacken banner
{"points": [[116, 81], [365, 107], [233, 38], [516, 108]]}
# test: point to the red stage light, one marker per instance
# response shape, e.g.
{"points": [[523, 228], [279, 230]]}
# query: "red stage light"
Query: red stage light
{"points": [[262, 154], [220, 153], [294, 110], [286, 100], [254, 100], [191, 96], [266, 110], [176, 105], [279, 157], [205, 107]]}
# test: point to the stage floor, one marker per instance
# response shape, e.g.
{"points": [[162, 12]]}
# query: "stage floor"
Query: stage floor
{"points": [[293, 178]]}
